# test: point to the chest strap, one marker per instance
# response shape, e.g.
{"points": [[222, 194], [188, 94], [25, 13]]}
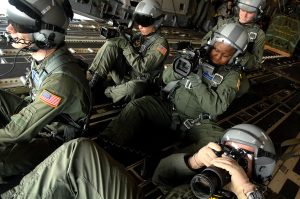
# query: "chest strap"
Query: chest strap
{"points": [[147, 43]]}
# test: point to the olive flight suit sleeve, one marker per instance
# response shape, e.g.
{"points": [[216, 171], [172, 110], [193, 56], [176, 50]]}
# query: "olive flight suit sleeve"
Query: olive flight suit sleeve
{"points": [[54, 96], [172, 171], [153, 58], [253, 58], [216, 101]]}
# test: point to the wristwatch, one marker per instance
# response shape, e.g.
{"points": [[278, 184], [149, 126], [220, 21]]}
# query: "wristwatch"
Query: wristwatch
{"points": [[255, 195]]}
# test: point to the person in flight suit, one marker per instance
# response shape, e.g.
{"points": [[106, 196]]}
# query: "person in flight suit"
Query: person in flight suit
{"points": [[245, 151], [77, 169], [59, 92], [249, 12], [198, 90], [133, 65]]}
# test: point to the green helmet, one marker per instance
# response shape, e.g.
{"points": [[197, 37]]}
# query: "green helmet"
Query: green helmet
{"points": [[264, 154], [46, 20]]}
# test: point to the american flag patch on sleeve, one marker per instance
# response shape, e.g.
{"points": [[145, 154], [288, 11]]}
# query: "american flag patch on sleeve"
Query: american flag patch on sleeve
{"points": [[50, 99], [161, 49]]}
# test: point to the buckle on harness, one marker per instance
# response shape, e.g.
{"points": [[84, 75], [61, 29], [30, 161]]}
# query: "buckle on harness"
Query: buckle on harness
{"points": [[188, 84], [252, 36], [217, 79], [188, 123]]}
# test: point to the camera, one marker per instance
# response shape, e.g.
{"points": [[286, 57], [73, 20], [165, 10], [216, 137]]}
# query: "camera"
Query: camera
{"points": [[189, 61], [212, 179], [116, 29], [109, 32]]}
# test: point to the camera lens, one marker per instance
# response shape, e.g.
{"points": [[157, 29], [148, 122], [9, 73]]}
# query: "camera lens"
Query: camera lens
{"points": [[209, 181]]}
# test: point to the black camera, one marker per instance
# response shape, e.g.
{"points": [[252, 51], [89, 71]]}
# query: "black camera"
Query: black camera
{"points": [[108, 32], [189, 61], [212, 179], [116, 29]]}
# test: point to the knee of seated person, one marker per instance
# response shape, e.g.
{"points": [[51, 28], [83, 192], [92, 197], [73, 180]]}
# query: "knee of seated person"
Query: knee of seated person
{"points": [[80, 143], [140, 102], [136, 90]]}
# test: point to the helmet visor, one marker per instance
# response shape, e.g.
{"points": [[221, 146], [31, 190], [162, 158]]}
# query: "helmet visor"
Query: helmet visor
{"points": [[21, 22], [143, 20]]}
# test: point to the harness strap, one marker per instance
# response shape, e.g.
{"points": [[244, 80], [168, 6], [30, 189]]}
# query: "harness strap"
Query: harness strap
{"points": [[189, 123], [147, 43]]}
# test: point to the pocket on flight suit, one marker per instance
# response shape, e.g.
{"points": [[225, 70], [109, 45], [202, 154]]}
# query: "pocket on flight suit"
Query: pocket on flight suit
{"points": [[21, 119]]}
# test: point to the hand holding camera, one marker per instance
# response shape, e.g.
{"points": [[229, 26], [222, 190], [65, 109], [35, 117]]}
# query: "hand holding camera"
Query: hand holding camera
{"points": [[230, 167], [204, 156]]}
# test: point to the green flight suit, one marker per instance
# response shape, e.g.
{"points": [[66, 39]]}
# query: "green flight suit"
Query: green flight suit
{"points": [[131, 70], [78, 169], [146, 112], [61, 90], [252, 58]]}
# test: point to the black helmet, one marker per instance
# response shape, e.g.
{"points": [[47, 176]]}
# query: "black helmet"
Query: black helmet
{"points": [[232, 34], [264, 154], [47, 20], [148, 12]]}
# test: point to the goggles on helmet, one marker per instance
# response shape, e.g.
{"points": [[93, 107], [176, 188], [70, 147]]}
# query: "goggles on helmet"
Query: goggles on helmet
{"points": [[143, 20]]}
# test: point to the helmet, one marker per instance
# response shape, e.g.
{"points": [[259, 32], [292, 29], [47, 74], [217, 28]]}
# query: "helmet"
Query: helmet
{"points": [[252, 6], [45, 20], [264, 155], [232, 34], [148, 12]]}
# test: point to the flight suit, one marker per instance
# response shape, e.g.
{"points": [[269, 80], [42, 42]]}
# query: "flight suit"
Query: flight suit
{"points": [[132, 66], [59, 90], [78, 169], [185, 104]]}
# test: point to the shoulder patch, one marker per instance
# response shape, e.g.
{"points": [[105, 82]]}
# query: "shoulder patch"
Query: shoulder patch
{"points": [[50, 99], [161, 49]]}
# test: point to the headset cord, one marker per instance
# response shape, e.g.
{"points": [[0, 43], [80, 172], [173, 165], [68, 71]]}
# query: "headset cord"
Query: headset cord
{"points": [[14, 64]]}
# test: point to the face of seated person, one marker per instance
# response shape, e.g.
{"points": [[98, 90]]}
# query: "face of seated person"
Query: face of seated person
{"points": [[146, 30], [221, 53], [246, 17], [22, 37]]}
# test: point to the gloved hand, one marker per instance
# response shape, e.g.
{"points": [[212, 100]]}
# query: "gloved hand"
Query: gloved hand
{"points": [[204, 156]]}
